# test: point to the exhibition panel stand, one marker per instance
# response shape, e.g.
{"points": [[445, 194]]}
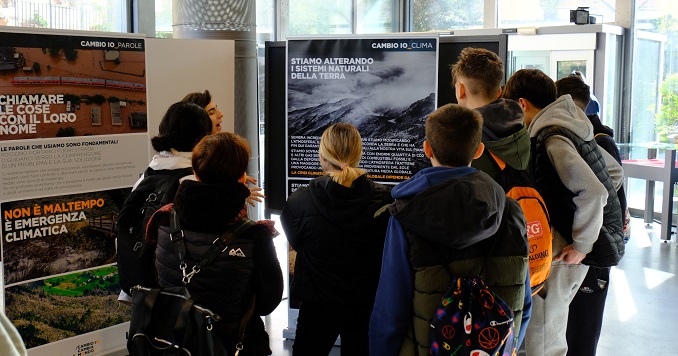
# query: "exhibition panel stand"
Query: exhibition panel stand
{"points": [[393, 145], [77, 110]]}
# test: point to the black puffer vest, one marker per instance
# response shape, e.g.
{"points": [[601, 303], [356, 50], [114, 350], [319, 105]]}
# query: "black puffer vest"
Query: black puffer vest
{"points": [[609, 247]]}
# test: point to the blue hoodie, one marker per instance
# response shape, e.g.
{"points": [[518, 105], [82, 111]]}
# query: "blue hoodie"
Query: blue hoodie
{"points": [[392, 313]]}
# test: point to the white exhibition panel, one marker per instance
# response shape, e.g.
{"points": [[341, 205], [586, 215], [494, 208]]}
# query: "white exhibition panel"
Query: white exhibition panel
{"points": [[101, 342], [97, 158], [176, 67]]}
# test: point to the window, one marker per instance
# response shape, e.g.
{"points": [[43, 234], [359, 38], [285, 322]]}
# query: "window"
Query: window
{"points": [[311, 17], [163, 18], [376, 16], [430, 15], [654, 101], [647, 78], [84, 15], [265, 20], [314, 17], [654, 95]]}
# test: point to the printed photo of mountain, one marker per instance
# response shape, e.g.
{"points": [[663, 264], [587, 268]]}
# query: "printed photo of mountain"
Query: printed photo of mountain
{"points": [[390, 101], [384, 87]]}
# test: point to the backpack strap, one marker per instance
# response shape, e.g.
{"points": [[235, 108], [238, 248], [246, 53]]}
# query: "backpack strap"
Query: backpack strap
{"points": [[500, 162], [218, 246], [243, 325], [182, 322], [177, 239], [149, 301], [177, 173]]}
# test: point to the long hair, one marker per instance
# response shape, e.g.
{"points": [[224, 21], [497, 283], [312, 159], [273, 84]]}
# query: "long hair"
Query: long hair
{"points": [[341, 145]]}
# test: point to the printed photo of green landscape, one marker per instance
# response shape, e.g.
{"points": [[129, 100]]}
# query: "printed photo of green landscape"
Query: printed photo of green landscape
{"points": [[65, 306]]}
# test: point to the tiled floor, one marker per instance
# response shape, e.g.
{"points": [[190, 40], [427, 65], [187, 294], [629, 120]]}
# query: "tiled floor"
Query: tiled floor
{"points": [[640, 312], [641, 315]]}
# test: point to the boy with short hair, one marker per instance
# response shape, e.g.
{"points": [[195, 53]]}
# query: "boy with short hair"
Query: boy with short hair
{"points": [[450, 214], [585, 318], [477, 76], [578, 182]]}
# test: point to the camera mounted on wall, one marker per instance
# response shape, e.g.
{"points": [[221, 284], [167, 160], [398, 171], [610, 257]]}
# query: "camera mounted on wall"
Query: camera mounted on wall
{"points": [[581, 16]]}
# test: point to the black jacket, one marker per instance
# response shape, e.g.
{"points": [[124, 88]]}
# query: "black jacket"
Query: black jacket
{"points": [[338, 240], [608, 249], [604, 136], [227, 284]]}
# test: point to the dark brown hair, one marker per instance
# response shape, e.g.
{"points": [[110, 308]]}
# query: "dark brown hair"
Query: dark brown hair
{"points": [[202, 99], [532, 85], [182, 126], [220, 158], [483, 68], [576, 87], [454, 133]]}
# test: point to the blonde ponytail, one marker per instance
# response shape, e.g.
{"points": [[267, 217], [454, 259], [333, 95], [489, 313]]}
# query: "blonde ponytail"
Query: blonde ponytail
{"points": [[341, 145]]}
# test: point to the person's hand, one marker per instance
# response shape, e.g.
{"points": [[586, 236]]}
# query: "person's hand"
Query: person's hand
{"points": [[255, 195], [250, 180], [569, 255]]}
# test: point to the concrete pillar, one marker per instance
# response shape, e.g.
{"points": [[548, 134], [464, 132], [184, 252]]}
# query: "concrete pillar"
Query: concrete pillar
{"points": [[229, 20]]}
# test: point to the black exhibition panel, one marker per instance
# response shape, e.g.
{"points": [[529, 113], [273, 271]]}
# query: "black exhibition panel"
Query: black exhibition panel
{"points": [[275, 183], [449, 49], [275, 152]]}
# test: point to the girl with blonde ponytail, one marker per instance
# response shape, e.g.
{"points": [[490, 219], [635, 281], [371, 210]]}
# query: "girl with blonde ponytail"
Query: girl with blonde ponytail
{"points": [[341, 148], [331, 224]]}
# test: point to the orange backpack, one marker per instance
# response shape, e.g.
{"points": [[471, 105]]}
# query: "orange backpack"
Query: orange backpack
{"points": [[518, 185]]}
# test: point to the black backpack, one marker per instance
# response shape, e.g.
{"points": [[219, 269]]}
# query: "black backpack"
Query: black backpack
{"points": [[135, 256], [169, 321]]}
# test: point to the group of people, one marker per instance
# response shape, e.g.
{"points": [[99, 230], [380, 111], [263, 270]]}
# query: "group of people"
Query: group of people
{"points": [[382, 297], [370, 257], [208, 202]]}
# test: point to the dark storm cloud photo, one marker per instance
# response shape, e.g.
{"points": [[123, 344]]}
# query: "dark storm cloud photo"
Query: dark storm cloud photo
{"points": [[398, 90]]}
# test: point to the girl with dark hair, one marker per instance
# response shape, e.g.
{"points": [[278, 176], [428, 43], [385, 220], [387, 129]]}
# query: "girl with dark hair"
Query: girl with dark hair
{"points": [[331, 224], [205, 101], [248, 267], [183, 125], [181, 128]]}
